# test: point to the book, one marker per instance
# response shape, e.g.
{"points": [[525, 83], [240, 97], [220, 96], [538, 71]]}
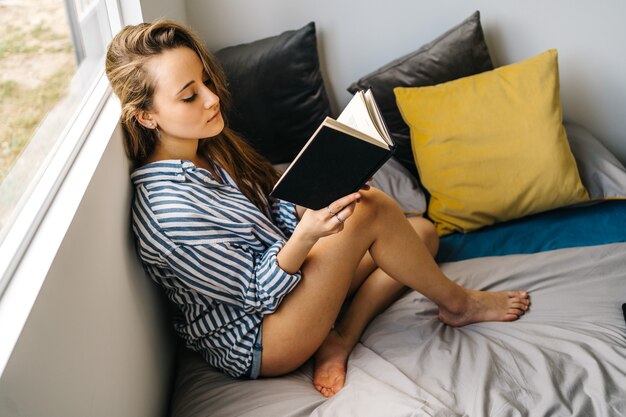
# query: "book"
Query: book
{"points": [[339, 158]]}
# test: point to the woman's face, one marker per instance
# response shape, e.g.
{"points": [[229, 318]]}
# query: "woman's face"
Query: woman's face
{"points": [[184, 107]]}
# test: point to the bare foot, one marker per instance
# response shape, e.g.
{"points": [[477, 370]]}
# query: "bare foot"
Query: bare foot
{"points": [[487, 306], [330, 364]]}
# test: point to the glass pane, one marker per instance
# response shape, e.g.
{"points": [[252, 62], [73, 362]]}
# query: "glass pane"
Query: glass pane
{"points": [[51, 53]]}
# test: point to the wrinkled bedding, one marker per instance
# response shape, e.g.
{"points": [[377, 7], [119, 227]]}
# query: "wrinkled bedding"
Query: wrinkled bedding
{"points": [[566, 357]]}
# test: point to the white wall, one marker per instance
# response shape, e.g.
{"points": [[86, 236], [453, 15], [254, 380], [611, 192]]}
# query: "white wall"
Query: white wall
{"points": [[97, 342], [359, 36], [156, 9]]}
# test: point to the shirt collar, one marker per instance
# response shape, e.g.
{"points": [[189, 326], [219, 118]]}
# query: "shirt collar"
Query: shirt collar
{"points": [[174, 170]]}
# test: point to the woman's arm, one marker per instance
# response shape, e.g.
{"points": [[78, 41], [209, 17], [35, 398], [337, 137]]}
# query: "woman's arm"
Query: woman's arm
{"points": [[234, 274], [300, 211], [313, 225], [292, 255]]}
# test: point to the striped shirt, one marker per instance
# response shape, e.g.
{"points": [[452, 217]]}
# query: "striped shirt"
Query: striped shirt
{"points": [[214, 252]]}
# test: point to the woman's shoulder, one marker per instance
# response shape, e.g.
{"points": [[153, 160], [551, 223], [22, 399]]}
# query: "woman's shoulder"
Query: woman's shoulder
{"points": [[171, 193], [167, 170]]}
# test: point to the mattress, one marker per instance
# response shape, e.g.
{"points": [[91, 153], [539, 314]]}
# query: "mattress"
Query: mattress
{"points": [[565, 357]]}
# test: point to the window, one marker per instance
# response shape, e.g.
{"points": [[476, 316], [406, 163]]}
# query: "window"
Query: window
{"points": [[51, 62]]}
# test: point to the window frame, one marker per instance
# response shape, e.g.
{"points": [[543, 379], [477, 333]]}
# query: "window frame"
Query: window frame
{"points": [[36, 199], [46, 210]]}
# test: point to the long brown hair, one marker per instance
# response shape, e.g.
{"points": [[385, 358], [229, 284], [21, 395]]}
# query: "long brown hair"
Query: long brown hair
{"points": [[126, 57]]}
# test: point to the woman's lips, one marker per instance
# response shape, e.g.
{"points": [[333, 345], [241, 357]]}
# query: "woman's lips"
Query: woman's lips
{"points": [[214, 116]]}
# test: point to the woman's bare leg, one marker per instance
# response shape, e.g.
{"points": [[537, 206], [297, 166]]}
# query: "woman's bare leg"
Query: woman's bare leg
{"points": [[297, 329], [374, 294]]}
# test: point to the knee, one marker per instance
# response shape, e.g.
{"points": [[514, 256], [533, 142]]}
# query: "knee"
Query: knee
{"points": [[376, 201], [427, 232], [377, 208]]}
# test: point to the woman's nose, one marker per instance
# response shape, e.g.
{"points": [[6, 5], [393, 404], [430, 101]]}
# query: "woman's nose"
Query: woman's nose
{"points": [[210, 98]]}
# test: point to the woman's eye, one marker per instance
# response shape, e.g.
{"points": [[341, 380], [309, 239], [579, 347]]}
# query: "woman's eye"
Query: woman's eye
{"points": [[208, 83]]}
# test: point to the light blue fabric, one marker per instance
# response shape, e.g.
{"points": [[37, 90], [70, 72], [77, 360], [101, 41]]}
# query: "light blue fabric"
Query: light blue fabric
{"points": [[255, 368], [596, 224]]}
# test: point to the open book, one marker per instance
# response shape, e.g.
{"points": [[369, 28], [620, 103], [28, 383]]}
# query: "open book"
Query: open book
{"points": [[339, 158]]}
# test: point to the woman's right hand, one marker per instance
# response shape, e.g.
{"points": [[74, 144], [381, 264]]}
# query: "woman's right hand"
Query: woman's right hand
{"points": [[326, 221]]}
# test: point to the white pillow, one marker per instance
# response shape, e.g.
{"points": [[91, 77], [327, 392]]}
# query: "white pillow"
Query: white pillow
{"points": [[602, 174], [395, 180]]}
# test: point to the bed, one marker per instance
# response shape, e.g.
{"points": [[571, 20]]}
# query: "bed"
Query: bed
{"points": [[565, 357]]}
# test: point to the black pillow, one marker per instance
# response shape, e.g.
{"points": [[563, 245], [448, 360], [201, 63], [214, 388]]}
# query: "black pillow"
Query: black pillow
{"points": [[278, 93], [459, 52]]}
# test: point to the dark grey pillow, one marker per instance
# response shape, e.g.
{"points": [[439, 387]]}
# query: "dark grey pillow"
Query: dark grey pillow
{"points": [[459, 52], [278, 93]]}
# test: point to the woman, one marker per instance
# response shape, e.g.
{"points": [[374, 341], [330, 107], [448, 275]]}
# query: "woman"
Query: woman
{"points": [[259, 282]]}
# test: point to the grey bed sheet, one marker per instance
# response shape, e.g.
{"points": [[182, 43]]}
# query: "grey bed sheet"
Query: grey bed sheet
{"points": [[566, 357]]}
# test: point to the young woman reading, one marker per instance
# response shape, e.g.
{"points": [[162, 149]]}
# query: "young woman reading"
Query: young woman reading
{"points": [[259, 283]]}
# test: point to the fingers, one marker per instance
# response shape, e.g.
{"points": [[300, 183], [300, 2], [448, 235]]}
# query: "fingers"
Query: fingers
{"points": [[338, 205], [337, 219], [346, 212], [329, 220], [343, 208]]}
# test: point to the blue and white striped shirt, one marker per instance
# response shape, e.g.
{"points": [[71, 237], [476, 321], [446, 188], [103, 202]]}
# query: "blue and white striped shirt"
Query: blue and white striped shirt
{"points": [[214, 252]]}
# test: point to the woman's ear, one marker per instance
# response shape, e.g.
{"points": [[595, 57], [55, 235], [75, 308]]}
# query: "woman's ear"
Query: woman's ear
{"points": [[145, 119]]}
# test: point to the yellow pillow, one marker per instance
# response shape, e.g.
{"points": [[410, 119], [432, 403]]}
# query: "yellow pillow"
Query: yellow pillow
{"points": [[491, 147]]}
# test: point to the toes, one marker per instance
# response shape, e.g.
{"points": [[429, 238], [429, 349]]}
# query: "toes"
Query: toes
{"points": [[519, 299], [517, 309], [519, 305], [523, 295], [323, 390], [330, 388], [511, 317], [327, 392], [517, 312]]}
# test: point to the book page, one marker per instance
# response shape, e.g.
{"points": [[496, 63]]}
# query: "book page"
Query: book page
{"points": [[357, 116], [376, 117], [349, 130]]}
